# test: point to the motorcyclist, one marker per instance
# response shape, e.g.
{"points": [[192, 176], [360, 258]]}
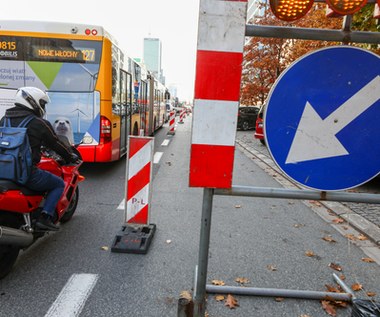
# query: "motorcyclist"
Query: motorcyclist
{"points": [[31, 100]]}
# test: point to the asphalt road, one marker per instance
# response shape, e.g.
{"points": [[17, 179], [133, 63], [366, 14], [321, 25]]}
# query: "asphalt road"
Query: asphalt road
{"points": [[264, 241]]}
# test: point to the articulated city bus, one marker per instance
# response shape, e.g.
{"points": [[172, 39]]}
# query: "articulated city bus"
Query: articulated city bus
{"points": [[99, 95]]}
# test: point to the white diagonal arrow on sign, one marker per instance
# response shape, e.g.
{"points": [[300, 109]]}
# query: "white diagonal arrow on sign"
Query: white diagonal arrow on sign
{"points": [[315, 138]]}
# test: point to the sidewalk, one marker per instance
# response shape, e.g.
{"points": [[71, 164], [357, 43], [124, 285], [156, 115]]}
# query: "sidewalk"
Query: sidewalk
{"points": [[363, 217], [267, 243]]}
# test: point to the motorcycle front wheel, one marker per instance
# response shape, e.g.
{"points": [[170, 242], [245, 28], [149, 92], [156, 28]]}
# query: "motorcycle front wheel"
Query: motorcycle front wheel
{"points": [[8, 253]]}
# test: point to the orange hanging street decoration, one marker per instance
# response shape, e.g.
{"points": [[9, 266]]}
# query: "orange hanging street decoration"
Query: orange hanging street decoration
{"points": [[346, 7], [290, 10]]}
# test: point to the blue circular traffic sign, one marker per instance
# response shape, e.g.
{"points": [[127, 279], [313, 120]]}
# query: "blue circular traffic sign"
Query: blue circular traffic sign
{"points": [[322, 119]]}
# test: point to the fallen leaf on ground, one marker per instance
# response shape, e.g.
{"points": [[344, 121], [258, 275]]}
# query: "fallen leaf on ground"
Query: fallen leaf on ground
{"points": [[371, 294], [219, 298], [330, 309], [186, 295], [331, 288], [271, 267], [242, 280], [279, 299], [303, 315], [362, 237], [368, 260], [309, 253], [315, 202], [328, 239], [335, 266], [351, 237], [218, 282], [356, 287], [340, 303], [231, 302], [338, 220]]}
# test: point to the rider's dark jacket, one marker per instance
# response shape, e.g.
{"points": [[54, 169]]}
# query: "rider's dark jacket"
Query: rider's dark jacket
{"points": [[40, 132]]}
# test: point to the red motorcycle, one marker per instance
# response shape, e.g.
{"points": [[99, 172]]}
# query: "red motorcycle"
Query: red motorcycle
{"points": [[20, 209]]}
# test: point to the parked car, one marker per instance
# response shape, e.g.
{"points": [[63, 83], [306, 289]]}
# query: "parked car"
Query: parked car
{"points": [[259, 131], [247, 117]]}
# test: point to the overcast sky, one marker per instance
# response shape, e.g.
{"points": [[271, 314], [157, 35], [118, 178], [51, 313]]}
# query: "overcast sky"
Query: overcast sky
{"points": [[174, 22]]}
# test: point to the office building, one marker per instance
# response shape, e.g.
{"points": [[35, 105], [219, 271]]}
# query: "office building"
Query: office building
{"points": [[152, 57]]}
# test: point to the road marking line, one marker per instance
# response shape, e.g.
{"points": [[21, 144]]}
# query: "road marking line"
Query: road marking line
{"points": [[165, 142], [157, 157], [121, 205], [73, 296]]}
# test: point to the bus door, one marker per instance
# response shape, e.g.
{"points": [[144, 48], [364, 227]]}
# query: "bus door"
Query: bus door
{"points": [[150, 105], [143, 108], [125, 111]]}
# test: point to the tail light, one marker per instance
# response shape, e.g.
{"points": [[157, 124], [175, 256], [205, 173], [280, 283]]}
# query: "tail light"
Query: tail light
{"points": [[105, 130]]}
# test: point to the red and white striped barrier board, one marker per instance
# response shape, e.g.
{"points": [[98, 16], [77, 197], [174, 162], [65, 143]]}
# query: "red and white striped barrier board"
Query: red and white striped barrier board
{"points": [[138, 179], [181, 116], [221, 33], [171, 122]]}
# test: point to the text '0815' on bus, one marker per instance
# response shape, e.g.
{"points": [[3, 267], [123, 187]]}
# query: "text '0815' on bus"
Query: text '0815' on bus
{"points": [[99, 95]]}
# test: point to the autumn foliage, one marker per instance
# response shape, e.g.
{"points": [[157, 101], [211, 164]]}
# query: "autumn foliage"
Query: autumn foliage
{"points": [[265, 58]]}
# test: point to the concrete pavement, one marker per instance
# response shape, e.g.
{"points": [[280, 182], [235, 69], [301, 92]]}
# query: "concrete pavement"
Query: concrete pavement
{"points": [[265, 241], [363, 217]]}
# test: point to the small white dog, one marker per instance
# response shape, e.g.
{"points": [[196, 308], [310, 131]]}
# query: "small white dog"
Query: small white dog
{"points": [[62, 126]]}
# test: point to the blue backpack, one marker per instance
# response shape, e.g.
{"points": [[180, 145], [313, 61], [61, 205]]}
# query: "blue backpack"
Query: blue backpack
{"points": [[15, 152]]}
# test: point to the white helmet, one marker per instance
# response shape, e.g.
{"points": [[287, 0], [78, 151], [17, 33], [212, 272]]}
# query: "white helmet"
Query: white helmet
{"points": [[32, 98]]}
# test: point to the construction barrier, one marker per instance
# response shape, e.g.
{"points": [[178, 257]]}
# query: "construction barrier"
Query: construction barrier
{"points": [[136, 234], [221, 34], [181, 116], [172, 122]]}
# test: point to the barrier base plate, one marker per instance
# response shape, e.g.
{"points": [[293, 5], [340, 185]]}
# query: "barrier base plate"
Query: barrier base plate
{"points": [[133, 239]]}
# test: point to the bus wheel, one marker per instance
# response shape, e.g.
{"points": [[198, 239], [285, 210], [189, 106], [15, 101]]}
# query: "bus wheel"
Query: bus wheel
{"points": [[135, 129]]}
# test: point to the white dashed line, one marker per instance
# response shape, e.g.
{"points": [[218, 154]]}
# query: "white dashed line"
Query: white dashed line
{"points": [[165, 142], [157, 157], [73, 296], [121, 205]]}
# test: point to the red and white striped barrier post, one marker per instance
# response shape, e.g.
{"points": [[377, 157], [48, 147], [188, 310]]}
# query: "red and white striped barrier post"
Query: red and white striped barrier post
{"points": [[181, 116], [221, 34], [172, 122], [136, 233]]}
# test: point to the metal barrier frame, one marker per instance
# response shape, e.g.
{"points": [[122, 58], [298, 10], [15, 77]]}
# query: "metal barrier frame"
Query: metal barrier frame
{"points": [[345, 35]]}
